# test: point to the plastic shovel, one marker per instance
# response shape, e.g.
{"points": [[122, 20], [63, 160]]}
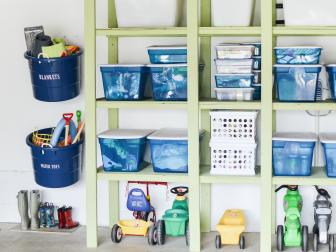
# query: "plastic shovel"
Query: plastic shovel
{"points": [[67, 117]]}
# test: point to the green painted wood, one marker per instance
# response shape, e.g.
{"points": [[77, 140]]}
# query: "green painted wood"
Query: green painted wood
{"points": [[102, 103], [142, 32], [230, 31], [205, 212], [324, 105], [206, 104], [304, 31], [90, 118]]}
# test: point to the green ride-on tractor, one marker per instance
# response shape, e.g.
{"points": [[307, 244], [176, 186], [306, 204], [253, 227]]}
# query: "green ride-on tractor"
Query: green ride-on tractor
{"points": [[175, 221], [292, 234]]}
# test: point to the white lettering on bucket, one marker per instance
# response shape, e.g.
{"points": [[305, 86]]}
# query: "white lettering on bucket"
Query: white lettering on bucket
{"points": [[50, 166], [49, 77]]}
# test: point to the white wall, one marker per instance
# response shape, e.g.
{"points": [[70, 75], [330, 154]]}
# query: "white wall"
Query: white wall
{"points": [[22, 114]]}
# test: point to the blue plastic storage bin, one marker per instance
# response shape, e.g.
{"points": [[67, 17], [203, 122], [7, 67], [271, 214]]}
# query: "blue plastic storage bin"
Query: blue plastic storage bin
{"points": [[328, 142], [169, 82], [169, 150], [124, 82], [257, 92], [293, 154], [167, 54], [257, 77], [257, 48], [123, 150], [331, 70], [257, 63], [58, 166], [296, 82], [298, 55], [233, 80], [55, 79]]}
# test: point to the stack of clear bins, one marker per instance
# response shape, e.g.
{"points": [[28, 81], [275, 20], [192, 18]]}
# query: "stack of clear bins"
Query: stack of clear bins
{"points": [[238, 71], [296, 73]]}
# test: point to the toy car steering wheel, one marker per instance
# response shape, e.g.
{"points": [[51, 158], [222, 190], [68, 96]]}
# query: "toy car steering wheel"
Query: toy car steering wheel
{"points": [[180, 190]]}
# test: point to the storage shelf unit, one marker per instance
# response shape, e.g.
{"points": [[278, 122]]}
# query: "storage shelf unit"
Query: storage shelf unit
{"points": [[199, 178]]}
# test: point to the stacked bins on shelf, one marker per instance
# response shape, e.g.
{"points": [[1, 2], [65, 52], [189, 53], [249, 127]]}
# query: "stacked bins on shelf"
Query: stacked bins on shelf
{"points": [[238, 71], [233, 145]]}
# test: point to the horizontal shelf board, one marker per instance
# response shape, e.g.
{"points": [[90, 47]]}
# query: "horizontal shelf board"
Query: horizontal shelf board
{"points": [[324, 105], [207, 178], [318, 177], [304, 31], [147, 174], [142, 32], [235, 31], [215, 104], [102, 103]]}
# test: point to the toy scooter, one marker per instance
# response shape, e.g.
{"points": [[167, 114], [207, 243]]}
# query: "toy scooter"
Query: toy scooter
{"points": [[175, 221], [322, 218], [293, 234]]}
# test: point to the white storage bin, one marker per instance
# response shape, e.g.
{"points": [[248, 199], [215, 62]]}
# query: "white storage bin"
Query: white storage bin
{"points": [[228, 158], [243, 66], [231, 12], [149, 13], [309, 12], [234, 94], [231, 51], [233, 125]]}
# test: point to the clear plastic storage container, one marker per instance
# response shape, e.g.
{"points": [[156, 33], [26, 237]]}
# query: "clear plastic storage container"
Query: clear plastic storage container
{"points": [[233, 80], [257, 48], [328, 142], [167, 54], [231, 51], [298, 55], [169, 150], [124, 82], [331, 70], [293, 154], [257, 92], [257, 77], [243, 66], [296, 82], [234, 94], [257, 63], [123, 150]]}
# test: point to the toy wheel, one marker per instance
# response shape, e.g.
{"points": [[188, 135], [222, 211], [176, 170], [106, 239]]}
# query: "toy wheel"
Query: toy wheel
{"points": [[242, 242], [280, 238], [116, 234], [150, 216], [304, 238], [315, 242], [161, 232], [331, 243], [152, 235], [218, 242], [187, 234]]}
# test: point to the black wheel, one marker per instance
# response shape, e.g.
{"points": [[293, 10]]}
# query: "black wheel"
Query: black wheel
{"points": [[315, 242], [218, 242], [116, 234], [152, 235], [187, 234], [242, 242], [150, 216], [315, 229], [161, 232], [280, 238], [304, 234], [331, 243]]}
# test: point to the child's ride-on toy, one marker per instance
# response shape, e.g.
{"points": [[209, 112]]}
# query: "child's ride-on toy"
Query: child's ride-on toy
{"points": [[293, 234], [175, 221], [322, 218], [144, 214], [231, 227]]}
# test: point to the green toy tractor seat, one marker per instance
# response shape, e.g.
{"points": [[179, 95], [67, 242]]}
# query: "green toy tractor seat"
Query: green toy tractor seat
{"points": [[175, 221]]}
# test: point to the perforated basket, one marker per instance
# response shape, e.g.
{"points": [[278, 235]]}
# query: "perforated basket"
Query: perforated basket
{"points": [[232, 158], [233, 125]]}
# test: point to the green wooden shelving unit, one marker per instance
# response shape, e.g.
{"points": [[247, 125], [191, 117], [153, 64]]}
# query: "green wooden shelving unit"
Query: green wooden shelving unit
{"points": [[198, 106]]}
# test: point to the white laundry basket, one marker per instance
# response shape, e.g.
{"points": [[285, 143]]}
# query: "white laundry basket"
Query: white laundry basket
{"points": [[232, 12], [309, 12], [229, 158], [233, 126], [149, 13]]}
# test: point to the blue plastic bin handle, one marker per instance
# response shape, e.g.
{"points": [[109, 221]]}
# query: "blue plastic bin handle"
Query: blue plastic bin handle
{"points": [[137, 190], [58, 131]]}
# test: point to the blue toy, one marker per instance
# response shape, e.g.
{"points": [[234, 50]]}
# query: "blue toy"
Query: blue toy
{"points": [[59, 129], [139, 203]]}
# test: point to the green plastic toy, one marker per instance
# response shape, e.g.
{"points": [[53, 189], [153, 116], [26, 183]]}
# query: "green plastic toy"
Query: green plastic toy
{"points": [[292, 234], [175, 221]]}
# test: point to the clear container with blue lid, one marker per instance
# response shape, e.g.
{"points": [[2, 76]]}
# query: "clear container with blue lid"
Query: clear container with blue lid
{"points": [[298, 54], [167, 54]]}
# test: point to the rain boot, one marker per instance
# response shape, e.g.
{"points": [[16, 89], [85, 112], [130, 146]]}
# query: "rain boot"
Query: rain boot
{"points": [[35, 200], [22, 198], [43, 217], [69, 223], [50, 216], [61, 217]]}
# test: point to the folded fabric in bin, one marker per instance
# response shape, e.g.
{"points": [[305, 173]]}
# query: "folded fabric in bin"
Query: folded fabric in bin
{"points": [[167, 54], [243, 66], [233, 80], [298, 54]]}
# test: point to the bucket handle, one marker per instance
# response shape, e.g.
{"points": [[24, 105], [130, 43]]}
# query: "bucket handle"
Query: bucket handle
{"points": [[45, 145], [44, 55]]}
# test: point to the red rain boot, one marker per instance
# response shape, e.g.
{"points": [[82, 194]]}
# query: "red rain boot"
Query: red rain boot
{"points": [[69, 223], [61, 217]]}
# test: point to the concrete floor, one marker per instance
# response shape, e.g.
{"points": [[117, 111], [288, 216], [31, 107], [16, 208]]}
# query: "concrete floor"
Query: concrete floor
{"points": [[11, 241]]}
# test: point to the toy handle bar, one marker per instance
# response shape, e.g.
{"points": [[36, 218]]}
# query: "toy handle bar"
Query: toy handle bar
{"points": [[180, 190], [67, 117], [290, 187], [136, 192], [322, 192]]}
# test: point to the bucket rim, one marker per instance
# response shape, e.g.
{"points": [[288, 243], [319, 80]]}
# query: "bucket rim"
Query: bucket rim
{"points": [[29, 57]]}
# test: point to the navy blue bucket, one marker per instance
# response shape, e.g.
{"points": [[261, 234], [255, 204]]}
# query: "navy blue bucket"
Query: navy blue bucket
{"points": [[55, 79], [56, 167]]}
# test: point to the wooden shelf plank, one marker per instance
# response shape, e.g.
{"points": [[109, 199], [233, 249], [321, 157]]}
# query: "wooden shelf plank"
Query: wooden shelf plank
{"points": [[324, 105], [143, 32], [102, 103], [227, 31], [304, 31], [215, 104]]}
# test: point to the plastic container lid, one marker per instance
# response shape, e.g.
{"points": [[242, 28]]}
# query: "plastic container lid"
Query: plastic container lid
{"points": [[230, 62], [298, 47], [167, 47], [171, 134], [328, 138], [235, 46], [167, 65], [123, 65], [302, 65], [298, 137], [125, 133]]}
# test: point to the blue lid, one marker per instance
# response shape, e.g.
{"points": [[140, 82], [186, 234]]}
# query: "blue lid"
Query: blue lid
{"points": [[170, 50]]}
